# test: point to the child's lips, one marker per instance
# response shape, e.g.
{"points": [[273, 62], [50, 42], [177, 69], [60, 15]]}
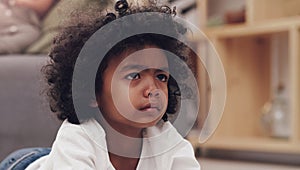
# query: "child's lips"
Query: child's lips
{"points": [[150, 107]]}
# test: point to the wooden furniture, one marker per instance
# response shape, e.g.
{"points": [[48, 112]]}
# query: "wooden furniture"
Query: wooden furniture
{"points": [[256, 54]]}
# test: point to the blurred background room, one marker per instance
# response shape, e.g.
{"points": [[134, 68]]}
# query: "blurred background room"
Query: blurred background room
{"points": [[258, 42]]}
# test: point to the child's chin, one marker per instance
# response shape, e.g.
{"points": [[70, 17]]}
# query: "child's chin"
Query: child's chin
{"points": [[147, 117], [145, 123]]}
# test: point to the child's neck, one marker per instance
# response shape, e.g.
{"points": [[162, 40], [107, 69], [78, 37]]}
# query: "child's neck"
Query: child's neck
{"points": [[123, 140], [125, 144], [125, 150], [123, 163]]}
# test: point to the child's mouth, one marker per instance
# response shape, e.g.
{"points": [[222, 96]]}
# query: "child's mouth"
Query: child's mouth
{"points": [[150, 107]]}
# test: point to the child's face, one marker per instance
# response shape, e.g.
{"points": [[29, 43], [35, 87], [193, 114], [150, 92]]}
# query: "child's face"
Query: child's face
{"points": [[135, 89]]}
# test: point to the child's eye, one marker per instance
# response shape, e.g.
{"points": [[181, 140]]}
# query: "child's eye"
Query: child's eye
{"points": [[162, 77], [133, 76]]}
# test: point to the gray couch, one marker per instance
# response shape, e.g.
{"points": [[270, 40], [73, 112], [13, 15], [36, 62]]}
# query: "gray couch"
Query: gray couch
{"points": [[26, 120]]}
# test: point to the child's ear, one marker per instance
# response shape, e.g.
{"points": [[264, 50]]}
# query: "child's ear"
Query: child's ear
{"points": [[93, 103]]}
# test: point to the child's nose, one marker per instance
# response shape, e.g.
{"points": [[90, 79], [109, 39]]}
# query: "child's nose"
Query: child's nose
{"points": [[154, 93], [151, 89]]}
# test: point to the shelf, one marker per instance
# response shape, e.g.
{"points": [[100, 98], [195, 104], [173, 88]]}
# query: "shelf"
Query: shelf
{"points": [[273, 26], [253, 144], [256, 144], [240, 30], [257, 56], [264, 10], [246, 11]]}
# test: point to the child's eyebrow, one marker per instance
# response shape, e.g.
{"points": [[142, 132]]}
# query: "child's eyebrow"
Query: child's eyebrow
{"points": [[141, 67]]}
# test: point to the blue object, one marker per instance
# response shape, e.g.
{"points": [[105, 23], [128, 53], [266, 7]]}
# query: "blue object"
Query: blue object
{"points": [[20, 159]]}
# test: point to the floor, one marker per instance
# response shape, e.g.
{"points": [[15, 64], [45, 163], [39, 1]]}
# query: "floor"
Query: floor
{"points": [[215, 164]]}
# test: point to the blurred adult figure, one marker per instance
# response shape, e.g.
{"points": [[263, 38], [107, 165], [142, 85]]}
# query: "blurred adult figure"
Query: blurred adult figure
{"points": [[20, 23]]}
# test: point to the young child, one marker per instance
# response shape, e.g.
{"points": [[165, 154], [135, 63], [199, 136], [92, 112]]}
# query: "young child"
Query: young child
{"points": [[134, 92]]}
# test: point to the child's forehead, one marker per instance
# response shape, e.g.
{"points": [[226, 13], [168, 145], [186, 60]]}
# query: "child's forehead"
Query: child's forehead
{"points": [[143, 59]]}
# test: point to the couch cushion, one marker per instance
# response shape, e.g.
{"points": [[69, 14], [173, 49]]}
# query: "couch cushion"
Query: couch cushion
{"points": [[26, 120]]}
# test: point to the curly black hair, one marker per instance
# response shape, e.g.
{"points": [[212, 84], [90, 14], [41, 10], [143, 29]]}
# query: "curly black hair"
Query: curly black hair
{"points": [[68, 44]]}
